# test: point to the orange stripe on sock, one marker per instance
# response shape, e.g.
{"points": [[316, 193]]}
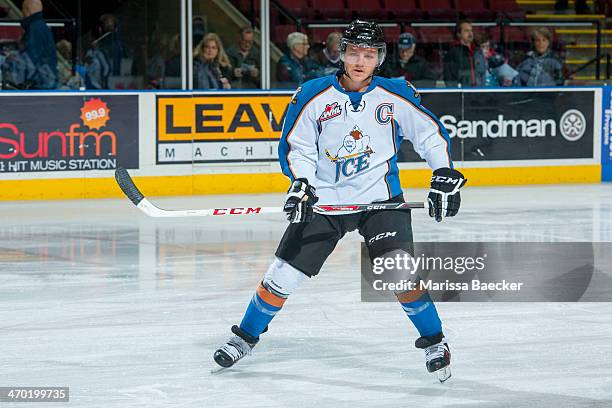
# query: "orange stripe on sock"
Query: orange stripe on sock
{"points": [[407, 297], [269, 298]]}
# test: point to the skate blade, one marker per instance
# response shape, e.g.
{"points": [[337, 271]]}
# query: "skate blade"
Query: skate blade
{"points": [[443, 374], [218, 369]]}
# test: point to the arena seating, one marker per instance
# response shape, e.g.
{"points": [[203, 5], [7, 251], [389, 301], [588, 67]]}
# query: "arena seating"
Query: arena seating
{"points": [[366, 9], [391, 9], [394, 10], [403, 9], [507, 8], [438, 9], [474, 9], [330, 9]]}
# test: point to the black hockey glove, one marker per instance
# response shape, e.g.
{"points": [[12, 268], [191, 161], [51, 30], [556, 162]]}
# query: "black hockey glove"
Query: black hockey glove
{"points": [[444, 197], [301, 197]]}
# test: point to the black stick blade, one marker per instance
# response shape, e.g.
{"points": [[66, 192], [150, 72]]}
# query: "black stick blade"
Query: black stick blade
{"points": [[127, 185]]}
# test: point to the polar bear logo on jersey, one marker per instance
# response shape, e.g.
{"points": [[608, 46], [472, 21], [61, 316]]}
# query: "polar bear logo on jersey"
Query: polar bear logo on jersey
{"points": [[353, 157], [354, 144]]}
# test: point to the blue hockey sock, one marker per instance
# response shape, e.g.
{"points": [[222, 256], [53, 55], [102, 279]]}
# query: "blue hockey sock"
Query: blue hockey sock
{"points": [[260, 312], [421, 312]]}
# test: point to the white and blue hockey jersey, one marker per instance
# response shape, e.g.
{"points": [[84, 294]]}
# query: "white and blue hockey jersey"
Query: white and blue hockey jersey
{"points": [[346, 143]]}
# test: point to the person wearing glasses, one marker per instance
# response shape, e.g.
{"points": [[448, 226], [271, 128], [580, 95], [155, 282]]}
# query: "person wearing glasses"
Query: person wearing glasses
{"points": [[295, 67]]}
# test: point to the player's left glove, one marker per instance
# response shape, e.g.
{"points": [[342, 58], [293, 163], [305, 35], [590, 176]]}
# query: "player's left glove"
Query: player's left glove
{"points": [[300, 200], [444, 197]]}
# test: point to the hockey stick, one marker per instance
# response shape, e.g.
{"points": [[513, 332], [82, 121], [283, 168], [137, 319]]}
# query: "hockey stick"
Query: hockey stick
{"points": [[131, 191]]}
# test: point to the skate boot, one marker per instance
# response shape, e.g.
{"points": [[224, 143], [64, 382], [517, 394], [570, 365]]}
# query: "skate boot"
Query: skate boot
{"points": [[236, 348], [437, 355]]}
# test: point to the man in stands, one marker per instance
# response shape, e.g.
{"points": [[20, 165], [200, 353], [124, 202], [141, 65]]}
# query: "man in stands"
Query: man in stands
{"points": [[294, 68], [459, 66], [408, 65], [328, 56], [245, 58], [39, 46]]}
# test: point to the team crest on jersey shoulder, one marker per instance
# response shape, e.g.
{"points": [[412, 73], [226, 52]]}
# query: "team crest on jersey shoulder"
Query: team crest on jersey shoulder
{"points": [[294, 98], [353, 156], [331, 111]]}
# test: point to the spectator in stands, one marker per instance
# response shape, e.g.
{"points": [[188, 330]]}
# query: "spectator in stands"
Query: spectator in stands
{"points": [[482, 53], [246, 60], [497, 70], [459, 65], [408, 65], [294, 67], [39, 47], [541, 66], [111, 44], [198, 29], [328, 56], [211, 65], [97, 68], [157, 49], [67, 79], [173, 64], [107, 56]]}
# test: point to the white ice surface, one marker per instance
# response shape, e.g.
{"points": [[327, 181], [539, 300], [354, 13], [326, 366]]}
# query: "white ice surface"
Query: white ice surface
{"points": [[127, 310]]}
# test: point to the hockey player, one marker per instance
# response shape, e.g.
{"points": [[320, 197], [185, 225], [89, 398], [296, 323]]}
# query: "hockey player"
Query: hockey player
{"points": [[339, 145]]}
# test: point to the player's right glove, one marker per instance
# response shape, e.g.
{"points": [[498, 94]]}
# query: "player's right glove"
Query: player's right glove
{"points": [[444, 197], [300, 200]]}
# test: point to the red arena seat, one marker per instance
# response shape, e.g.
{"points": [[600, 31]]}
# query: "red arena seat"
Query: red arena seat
{"points": [[404, 9], [330, 9], [511, 35], [436, 35], [320, 34], [392, 33], [298, 8], [280, 33], [439, 9], [474, 9], [10, 33], [369, 9], [507, 9]]}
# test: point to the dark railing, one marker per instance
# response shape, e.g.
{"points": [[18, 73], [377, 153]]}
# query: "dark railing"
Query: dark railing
{"points": [[286, 12], [597, 62], [252, 17]]}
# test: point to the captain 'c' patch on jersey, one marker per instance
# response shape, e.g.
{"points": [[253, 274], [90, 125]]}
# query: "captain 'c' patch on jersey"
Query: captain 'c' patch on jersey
{"points": [[384, 113]]}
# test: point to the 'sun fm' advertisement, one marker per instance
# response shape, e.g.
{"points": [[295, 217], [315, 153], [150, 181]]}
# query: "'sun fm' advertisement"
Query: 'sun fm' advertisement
{"points": [[68, 133]]}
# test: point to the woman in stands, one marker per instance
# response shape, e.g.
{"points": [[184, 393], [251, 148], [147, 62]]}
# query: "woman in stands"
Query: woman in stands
{"points": [[211, 65], [541, 66]]}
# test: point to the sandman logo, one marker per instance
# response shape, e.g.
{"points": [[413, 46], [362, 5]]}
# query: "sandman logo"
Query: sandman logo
{"points": [[573, 125]]}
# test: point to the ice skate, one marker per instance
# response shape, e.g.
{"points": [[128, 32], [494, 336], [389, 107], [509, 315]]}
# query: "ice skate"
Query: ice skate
{"points": [[235, 349], [437, 355]]}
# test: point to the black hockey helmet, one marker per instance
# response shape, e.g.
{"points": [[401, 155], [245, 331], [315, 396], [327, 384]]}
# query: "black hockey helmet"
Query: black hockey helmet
{"points": [[365, 34]]}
